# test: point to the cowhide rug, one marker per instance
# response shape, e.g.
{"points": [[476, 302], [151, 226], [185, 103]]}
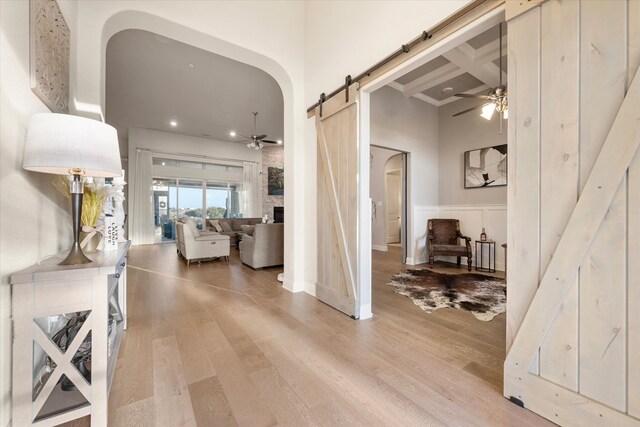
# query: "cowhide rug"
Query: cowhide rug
{"points": [[484, 296]]}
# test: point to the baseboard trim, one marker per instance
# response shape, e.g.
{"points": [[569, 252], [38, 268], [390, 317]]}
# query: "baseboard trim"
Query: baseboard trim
{"points": [[293, 286], [365, 312], [310, 288], [382, 248]]}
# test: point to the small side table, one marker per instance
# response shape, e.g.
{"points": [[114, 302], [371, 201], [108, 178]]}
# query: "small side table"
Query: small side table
{"points": [[491, 247]]}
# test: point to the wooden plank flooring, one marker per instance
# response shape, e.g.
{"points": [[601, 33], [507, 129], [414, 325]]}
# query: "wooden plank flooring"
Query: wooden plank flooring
{"points": [[220, 344]]}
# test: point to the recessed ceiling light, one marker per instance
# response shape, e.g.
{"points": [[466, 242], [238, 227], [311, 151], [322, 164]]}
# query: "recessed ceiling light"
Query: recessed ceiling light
{"points": [[191, 65], [279, 141], [447, 89], [232, 133], [163, 163], [173, 123]]}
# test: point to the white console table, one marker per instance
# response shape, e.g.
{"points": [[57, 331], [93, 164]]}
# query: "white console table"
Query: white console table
{"points": [[47, 299]]}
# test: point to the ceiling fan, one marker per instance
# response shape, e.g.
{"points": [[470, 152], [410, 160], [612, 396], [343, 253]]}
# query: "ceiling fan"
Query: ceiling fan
{"points": [[255, 141], [496, 98]]}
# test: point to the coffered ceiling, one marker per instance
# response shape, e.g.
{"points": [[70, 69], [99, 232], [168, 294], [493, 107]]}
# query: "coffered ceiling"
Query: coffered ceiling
{"points": [[471, 67]]}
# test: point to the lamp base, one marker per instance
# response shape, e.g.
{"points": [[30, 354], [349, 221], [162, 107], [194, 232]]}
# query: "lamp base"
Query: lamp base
{"points": [[76, 256]]}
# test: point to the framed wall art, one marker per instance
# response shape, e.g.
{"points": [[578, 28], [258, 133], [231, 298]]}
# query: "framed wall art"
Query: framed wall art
{"points": [[485, 167], [275, 181], [49, 38]]}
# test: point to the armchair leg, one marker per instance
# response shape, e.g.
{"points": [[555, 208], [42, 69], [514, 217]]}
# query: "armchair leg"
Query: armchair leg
{"points": [[431, 260], [459, 260], [469, 262], [188, 262]]}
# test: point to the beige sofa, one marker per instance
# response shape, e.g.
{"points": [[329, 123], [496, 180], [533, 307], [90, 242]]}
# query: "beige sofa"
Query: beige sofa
{"points": [[195, 244], [265, 248], [233, 226]]}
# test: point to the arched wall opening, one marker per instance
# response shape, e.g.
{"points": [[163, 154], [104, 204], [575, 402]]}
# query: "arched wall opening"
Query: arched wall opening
{"points": [[124, 20]]}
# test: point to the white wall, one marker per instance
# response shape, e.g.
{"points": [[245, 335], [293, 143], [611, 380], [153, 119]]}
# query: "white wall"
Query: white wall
{"points": [[380, 156], [35, 220], [409, 125], [347, 37], [175, 143], [457, 135]]}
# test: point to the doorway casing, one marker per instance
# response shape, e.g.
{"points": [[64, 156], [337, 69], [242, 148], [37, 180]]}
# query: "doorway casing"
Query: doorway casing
{"points": [[472, 29]]}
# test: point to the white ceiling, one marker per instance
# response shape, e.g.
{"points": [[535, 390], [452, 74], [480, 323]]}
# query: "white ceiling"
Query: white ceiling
{"points": [[471, 67], [152, 80]]}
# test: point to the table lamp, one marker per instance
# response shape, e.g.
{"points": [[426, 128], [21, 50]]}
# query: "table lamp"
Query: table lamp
{"points": [[63, 144]]}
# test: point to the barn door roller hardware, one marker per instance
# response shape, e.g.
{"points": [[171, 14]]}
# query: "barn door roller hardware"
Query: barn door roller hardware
{"points": [[406, 48], [321, 101], [347, 83]]}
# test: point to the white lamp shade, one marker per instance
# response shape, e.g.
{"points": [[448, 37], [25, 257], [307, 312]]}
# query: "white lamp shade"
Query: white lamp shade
{"points": [[57, 143]]}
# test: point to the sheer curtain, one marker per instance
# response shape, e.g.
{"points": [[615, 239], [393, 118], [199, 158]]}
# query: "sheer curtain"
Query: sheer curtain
{"points": [[142, 232], [249, 189]]}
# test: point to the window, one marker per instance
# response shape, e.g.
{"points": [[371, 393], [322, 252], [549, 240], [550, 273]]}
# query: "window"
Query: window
{"points": [[190, 200], [164, 208], [164, 162], [186, 164], [189, 165], [217, 200], [194, 198]]}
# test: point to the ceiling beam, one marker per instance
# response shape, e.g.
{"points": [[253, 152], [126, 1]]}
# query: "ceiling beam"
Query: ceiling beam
{"points": [[421, 96], [463, 56], [434, 78], [490, 51]]}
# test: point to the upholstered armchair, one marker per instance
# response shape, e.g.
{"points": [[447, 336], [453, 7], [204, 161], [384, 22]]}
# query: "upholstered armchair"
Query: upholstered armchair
{"points": [[265, 248], [202, 246], [443, 238]]}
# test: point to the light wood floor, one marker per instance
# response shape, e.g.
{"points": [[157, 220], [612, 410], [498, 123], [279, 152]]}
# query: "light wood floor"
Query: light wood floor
{"points": [[220, 344]]}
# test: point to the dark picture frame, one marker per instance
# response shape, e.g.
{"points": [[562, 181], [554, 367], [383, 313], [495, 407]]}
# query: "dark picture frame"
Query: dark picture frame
{"points": [[275, 181], [485, 167]]}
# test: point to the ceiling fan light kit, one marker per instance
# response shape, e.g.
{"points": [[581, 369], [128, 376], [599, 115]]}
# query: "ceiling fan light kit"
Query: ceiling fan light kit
{"points": [[496, 98], [255, 141]]}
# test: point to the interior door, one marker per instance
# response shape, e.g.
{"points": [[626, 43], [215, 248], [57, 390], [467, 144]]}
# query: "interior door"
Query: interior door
{"points": [[337, 132], [574, 211], [394, 207]]}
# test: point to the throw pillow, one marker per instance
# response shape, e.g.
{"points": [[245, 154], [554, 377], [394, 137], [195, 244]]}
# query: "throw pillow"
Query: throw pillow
{"points": [[226, 227], [216, 225]]}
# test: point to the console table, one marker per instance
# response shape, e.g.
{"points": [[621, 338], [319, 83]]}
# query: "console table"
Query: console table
{"points": [[491, 248], [66, 318]]}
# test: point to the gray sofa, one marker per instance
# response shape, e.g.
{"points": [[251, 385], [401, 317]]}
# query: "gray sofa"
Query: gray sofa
{"points": [[235, 225], [265, 248]]}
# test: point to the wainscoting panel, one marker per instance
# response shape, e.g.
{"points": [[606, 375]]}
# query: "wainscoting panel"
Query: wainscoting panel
{"points": [[472, 219], [421, 214]]}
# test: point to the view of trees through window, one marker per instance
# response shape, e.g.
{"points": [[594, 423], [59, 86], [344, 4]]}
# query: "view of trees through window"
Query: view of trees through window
{"points": [[174, 198]]}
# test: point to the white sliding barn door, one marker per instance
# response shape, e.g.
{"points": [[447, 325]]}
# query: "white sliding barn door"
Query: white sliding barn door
{"points": [[337, 131], [573, 323]]}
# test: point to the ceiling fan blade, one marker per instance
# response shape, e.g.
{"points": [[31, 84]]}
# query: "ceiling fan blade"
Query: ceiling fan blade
{"points": [[471, 95], [243, 136], [261, 136], [477, 107], [269, 141]]}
